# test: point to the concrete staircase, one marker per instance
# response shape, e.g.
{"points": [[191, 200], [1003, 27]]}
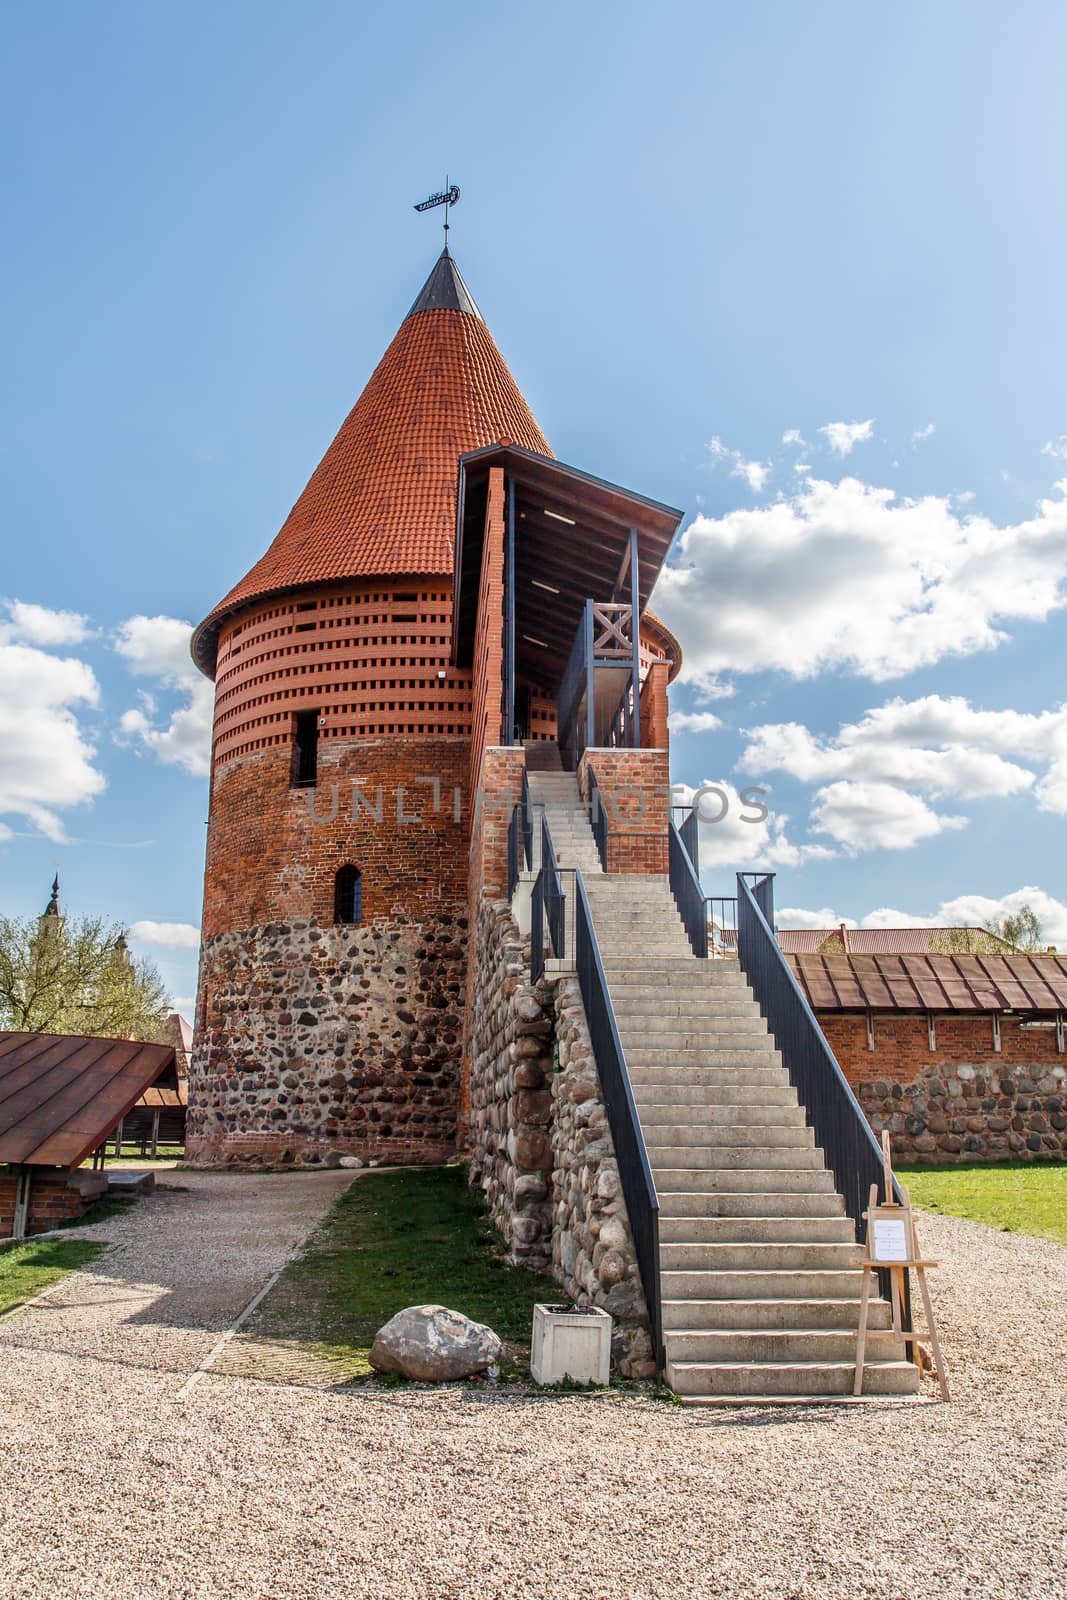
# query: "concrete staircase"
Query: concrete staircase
{"points": [[758, 1276], [556, 793]]}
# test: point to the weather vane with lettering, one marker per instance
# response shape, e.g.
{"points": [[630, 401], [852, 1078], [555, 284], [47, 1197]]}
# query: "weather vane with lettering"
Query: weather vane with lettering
{"points": [[448, 196]]}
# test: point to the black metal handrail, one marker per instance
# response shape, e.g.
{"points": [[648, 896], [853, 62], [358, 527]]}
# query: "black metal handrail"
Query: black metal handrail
{"points": [[688, 895], [598, 818], [537, 928], [841, 1130], [514, 833], [722, 923], [635, 1171], [553, 892], [527, 818]]}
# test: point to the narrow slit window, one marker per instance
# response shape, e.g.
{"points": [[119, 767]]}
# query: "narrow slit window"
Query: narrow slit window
{"points": [[348, 896], [305, 749]]}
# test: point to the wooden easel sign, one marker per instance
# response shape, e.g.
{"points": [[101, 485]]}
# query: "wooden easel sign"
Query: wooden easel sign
{"points": [[892, 1245]]}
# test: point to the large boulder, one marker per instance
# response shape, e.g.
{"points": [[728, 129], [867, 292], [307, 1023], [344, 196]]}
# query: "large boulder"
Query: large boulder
{"points": [[434, 1345]]}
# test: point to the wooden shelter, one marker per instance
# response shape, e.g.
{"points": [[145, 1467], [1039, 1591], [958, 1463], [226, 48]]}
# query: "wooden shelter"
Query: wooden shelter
{"points": [[61, 1096]]}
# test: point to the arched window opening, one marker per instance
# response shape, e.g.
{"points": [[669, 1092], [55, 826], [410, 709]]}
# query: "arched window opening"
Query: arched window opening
{"points": [[348, 896]]}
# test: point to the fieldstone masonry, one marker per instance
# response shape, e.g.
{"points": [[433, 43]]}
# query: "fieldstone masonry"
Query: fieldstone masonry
{"points": [[511, 1060], [972, 1113], [322, 1041], [592, 1248]]}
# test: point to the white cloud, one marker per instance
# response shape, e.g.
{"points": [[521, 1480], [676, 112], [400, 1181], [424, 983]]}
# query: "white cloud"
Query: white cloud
{"points": [[965, 497], [793, 436], [797, 917], [158, 647], [47, 761], [754, 473], [871, 816], [932, 745], [734, 834], [924, 433], [170, 935], [184, 1004], [1057, 448], [843, 437], [965, 911], [693, 721], [38, 625], [845, 575]]}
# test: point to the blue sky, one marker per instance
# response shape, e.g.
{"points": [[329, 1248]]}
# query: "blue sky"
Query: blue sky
{"points": [[694, 224]]}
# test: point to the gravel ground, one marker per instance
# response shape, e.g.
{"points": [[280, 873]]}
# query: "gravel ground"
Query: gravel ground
{"points": [[112, 1486]]}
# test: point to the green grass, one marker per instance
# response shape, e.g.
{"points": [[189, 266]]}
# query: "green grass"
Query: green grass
{"points": [[397, 1239], [29, 1268], [1017, 1196]]}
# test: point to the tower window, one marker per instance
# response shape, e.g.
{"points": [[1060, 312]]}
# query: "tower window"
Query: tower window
{"points": [[348, 896], [305, 749]]}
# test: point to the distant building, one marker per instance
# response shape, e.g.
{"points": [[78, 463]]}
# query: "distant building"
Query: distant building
{"points": [[881, 941]]}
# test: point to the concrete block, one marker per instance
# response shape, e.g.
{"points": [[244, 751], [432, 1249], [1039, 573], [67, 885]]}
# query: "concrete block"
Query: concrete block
{"points": [[570, 1343]]}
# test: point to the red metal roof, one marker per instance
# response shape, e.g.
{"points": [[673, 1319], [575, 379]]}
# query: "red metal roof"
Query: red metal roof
{"points": [[875, 941], [382, 500], [932, 983], [61, 1095]]}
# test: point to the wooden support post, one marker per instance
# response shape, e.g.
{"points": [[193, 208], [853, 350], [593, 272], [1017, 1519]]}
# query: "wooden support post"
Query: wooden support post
{"points": [[118, 1142], [590, 679], [635, 629], [155, 1134]]}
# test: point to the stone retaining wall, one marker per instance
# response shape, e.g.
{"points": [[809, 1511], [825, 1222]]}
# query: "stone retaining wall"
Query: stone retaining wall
{"points": [[593, 1255], [540, 1147], [509, 1052]]}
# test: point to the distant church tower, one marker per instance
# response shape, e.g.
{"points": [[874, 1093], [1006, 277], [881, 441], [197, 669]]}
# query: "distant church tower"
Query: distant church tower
{"points": [[354, 709]]}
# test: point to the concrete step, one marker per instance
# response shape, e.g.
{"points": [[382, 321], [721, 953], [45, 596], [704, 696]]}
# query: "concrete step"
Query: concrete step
{"points": [[771, 1284], [707, 1204], [667, 1156], [790, 1378], [731, 1137], [663, 969], [715, 1346], [684, 1007], [746, 1052], [670, 1033], [766, 1258], [747, 1315], [756, 1230], [736, 1073], [666, 1113], [795, 1179], [650, 1090]]}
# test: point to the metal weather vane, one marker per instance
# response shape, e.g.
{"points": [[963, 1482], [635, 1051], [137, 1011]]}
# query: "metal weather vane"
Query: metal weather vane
{"points": [[448, 196]]}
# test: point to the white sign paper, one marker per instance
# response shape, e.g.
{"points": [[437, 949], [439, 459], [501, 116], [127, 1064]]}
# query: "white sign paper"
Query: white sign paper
{"points": [[890, 1239]]}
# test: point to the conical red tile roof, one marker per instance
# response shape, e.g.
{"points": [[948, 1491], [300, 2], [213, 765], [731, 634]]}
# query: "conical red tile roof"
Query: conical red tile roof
{"points": [[383, 498]]}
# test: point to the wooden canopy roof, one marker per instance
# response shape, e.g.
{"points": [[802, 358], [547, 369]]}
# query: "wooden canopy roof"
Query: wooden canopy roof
{"points": [[1027, 984], [61, 1094], [572, 540]]}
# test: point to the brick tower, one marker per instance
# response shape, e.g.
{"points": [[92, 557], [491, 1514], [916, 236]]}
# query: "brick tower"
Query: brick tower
{"points": [[333, 957], [358, 715]]}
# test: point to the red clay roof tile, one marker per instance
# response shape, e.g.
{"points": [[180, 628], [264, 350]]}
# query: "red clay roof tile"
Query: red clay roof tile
{"points": [[383, 498]]}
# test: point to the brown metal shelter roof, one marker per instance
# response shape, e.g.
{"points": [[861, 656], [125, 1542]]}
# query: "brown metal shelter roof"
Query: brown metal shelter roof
{"points": [[572, 541], [1028, 984], [61, 1095], [876, 941]]}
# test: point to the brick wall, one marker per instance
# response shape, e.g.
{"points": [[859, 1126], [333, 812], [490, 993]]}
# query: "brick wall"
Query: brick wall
{"points": [[635, 791], [963, 1100], [54, 1198], [654, 733]]}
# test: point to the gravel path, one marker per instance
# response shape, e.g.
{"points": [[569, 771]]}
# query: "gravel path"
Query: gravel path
{"points": [[110, 1485]]}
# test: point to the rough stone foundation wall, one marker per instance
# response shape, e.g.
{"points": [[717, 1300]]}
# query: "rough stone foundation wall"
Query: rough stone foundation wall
{"points": [[964, 1100], [319, 1041], [509, 1051], [593, 1255]]}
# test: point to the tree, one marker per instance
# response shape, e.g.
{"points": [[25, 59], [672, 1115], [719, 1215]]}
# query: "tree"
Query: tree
{"points": [[1021, 929], [965, 942], [64, 975]]}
